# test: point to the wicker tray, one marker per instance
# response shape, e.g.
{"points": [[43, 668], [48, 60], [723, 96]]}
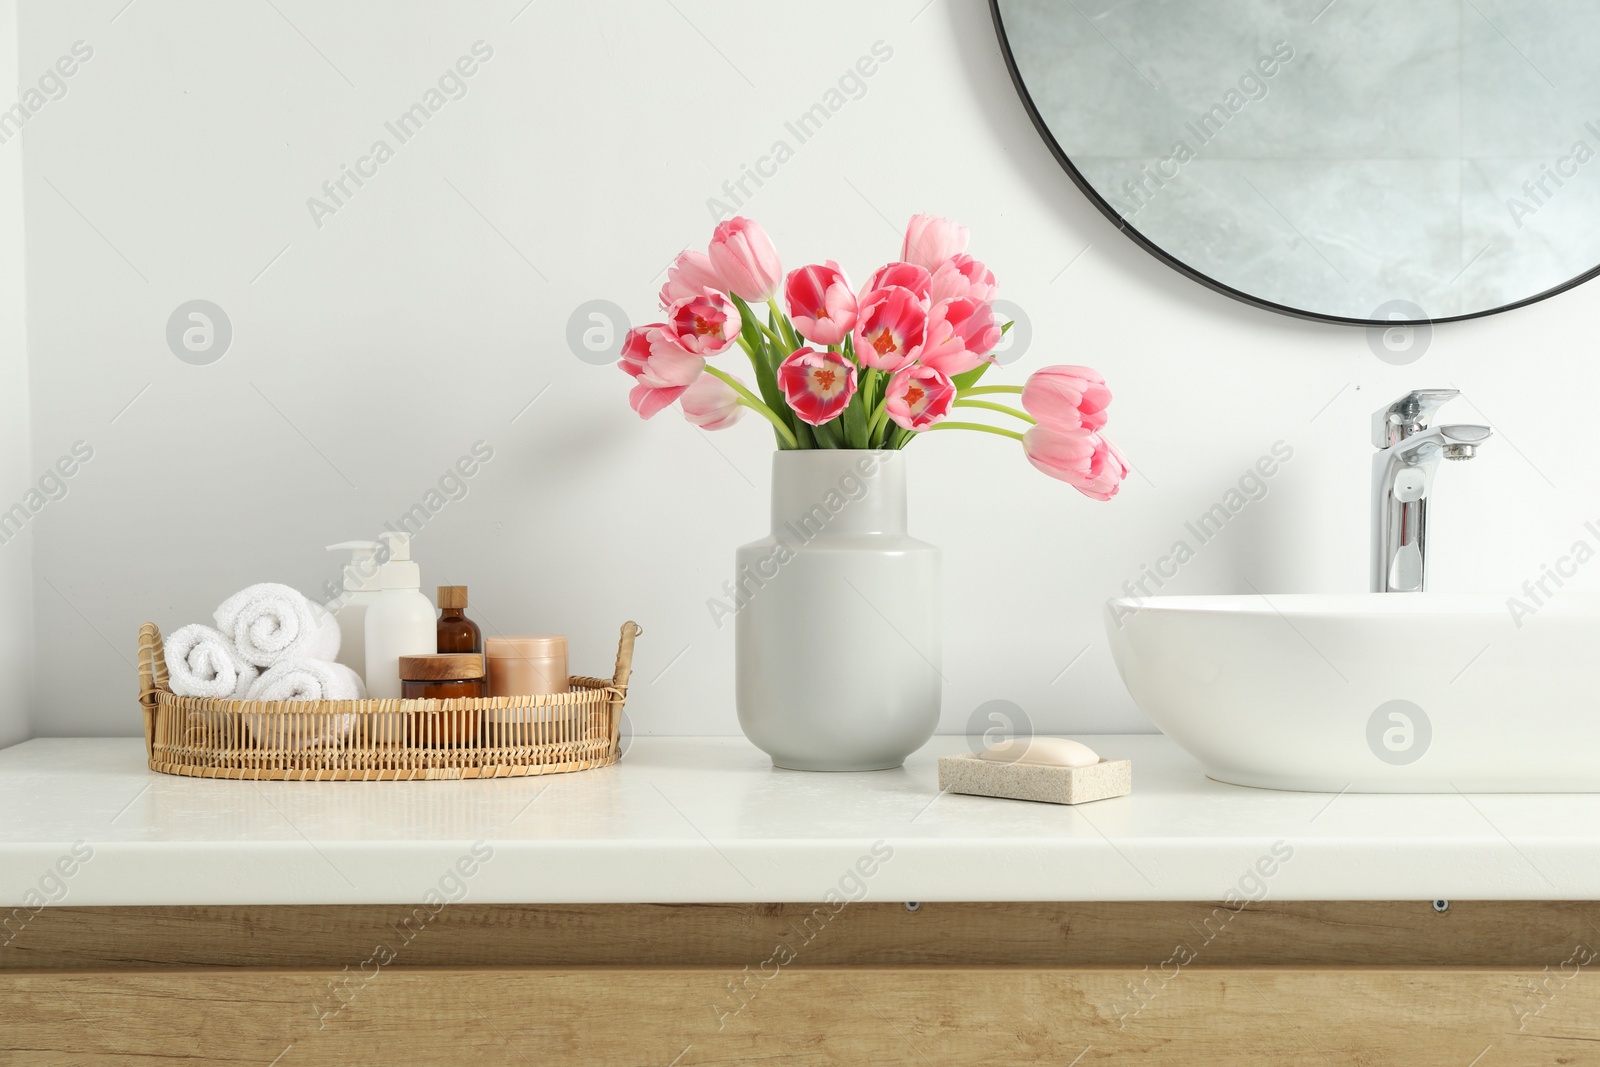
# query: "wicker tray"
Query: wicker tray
{"points": [[381, 740]]}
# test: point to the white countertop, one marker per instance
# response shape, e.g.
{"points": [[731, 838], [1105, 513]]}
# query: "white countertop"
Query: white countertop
{"points": [[710, 820]]}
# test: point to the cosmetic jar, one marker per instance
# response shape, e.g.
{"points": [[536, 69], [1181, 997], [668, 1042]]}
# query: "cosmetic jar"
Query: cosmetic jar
{"points": [[444, 676], [527, 666]]}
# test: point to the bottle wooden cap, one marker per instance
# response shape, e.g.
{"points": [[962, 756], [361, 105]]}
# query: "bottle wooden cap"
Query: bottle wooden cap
{"points": [[453, 596], [441, 667]]}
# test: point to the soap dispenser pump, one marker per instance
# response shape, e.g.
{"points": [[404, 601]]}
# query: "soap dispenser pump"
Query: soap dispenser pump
{"points": [[400, 621], [356, 593]]}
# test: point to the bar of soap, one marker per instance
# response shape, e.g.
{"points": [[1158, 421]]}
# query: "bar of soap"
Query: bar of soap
{"points": [[1034, 781], [1042, 751]]}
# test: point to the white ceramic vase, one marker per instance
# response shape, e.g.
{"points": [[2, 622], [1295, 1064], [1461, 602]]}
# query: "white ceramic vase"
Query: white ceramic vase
{"points": [[837, 617]]}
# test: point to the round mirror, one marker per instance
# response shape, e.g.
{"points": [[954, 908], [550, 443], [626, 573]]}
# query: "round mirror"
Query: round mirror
{"points": [[1344, 160]]}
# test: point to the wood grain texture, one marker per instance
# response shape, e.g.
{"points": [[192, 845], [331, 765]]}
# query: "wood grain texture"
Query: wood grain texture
{"points": [[1358, 984], [924, 1016], [1407, 933]]}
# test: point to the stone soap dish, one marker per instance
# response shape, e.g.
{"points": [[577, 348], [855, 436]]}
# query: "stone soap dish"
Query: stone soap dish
{"points": [[1033, 781]]}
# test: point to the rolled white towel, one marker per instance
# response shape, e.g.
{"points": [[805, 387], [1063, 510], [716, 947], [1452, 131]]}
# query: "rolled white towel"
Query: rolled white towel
{"points": [[203, 663], [271, 623], [308, 679], [304, 680]]}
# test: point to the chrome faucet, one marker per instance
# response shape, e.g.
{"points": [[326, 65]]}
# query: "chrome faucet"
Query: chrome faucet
{"points": [[1409, 450]]}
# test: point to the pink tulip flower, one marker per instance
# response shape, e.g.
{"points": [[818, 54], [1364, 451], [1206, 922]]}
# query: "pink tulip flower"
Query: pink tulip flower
{"points": [[690, 275], [743, 258], [918, 397], [711, 403], [906, 275], [961, 333], [704, 324], [1067, 398], [649, 401], [1081, 458], [931, 240], [653, 357], [891, 326], [816, 384], [821, 303], [962, 276]]}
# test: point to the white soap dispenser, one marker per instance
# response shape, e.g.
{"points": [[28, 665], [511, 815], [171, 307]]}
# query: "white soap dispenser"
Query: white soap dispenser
{"points": [[358, 592], [400, 622]]}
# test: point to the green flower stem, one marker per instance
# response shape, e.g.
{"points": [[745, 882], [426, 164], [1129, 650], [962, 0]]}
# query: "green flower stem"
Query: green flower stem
{"points": [[751, 401], [879, 419], [962, 402], [781, 331], [774, 338], [756, 363], [979, 390], [756, 354], [790, 339], [865, 402], [974, 426]]}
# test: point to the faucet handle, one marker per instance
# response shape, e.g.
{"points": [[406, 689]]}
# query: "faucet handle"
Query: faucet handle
{"points": [[1409, 414]]}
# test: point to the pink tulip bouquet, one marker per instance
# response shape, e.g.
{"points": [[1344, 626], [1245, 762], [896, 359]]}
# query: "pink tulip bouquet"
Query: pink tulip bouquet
{"points": [[869, 368]]}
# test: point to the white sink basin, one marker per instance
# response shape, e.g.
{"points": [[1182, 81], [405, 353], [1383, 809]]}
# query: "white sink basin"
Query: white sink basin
{"points": [[1371, 692]]}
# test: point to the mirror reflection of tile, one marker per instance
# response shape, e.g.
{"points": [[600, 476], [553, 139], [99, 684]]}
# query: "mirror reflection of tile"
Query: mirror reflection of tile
{"points": [[1334, 157]]}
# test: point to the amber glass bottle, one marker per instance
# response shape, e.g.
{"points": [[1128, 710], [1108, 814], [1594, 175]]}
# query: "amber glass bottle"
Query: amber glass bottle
{"points": [[457, 633]]}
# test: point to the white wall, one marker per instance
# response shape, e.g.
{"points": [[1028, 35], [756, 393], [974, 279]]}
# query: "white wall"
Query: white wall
{"points": [[16, 553], [372, 352]]}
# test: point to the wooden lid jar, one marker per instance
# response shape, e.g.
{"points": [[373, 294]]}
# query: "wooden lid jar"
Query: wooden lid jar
{"points": [[442, 676]]}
